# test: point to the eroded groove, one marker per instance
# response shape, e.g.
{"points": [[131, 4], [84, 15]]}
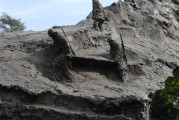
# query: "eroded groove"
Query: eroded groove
{"points": [[15, 95]]}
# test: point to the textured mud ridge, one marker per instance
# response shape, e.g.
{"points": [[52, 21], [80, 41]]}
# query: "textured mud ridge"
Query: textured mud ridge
{"points": [[17, 104], [36, 85]]}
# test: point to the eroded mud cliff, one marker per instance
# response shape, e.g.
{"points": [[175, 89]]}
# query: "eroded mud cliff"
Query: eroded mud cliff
{"points": [[33, 85]]}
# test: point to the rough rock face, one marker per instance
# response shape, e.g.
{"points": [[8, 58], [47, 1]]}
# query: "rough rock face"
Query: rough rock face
{"points": [[32, 87]]}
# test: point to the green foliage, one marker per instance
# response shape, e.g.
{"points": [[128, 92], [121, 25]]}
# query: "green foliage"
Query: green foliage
{"points": [[165, 104], [9, 24]]}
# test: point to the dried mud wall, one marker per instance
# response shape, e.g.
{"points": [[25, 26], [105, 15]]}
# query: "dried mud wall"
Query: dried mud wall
{"points": [[34, 87]]}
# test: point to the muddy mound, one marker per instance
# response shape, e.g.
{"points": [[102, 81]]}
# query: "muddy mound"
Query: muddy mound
{"points": [[34, 84]]}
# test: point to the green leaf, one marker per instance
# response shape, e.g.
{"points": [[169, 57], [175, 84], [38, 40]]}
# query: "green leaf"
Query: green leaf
{"points": [[176, 106]]}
